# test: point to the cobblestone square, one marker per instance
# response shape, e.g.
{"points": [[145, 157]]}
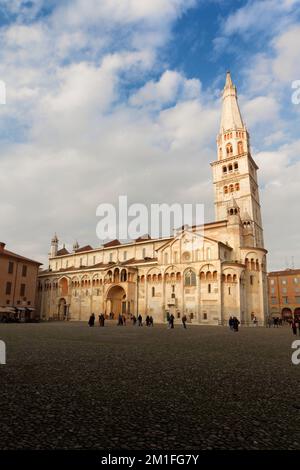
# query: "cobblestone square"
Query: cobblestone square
{"points": [[68, 386]]}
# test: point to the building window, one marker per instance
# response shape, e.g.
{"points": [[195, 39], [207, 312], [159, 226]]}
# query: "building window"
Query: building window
{"points": [[190, 278], [284, 290], [283, 282], [10, 267], [8, 288], [273, 300], [297, 298], [94, 259], [24, 270], [285, 300], [209, 288], [229, 290], [272, 290], [208, 253], [251, 280], [296, 280], [153, 291], [166, 258], [22, 290], [204, 316], [144, 253], [67, 264], [125, 255], [175, 256], [110, 257], [272, 282]]}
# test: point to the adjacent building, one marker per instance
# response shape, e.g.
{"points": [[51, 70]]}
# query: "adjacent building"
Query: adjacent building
{"points": [[18, 283], [207, 272], [284, 293]]}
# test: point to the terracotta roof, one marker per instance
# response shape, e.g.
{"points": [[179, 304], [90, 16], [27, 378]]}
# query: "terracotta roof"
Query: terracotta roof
{"points": [[284, 272], [143, 238], [112, 243], [138, 261], [10, 254], [84, 248], [63, 251]]}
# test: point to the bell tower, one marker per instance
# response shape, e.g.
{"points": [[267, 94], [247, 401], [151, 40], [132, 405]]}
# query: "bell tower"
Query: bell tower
{"points": [[235, 171]]}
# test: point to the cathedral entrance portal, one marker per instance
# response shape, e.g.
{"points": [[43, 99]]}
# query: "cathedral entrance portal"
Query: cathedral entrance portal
{"points": [[116, 301]]}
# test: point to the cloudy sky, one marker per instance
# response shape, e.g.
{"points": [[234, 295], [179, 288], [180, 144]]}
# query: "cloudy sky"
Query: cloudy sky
{"points": [[111, 97]]}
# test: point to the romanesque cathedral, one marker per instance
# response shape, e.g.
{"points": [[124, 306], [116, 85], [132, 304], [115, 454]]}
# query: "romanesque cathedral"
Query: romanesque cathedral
{"points": [[207, 273]]}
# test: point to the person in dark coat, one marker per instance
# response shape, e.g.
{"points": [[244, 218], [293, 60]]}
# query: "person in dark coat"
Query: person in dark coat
{"points": [[235, 324], [184, 319], [151, 321], [120, 320], [294, 327], [147, 320], [230, 323], [134, 320], [172, 320], [92, 320], [140, 320]]}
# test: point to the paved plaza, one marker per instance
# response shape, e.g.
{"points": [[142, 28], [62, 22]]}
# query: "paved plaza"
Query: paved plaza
{"points": [[68, 386]]}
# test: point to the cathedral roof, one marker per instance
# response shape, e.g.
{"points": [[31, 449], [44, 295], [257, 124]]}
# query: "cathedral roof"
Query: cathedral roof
{"points": [[62, 251]]}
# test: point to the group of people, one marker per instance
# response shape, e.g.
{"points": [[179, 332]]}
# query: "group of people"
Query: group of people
{"points": [[135, 320], [92, 319], [276, 322], [234, 323]]}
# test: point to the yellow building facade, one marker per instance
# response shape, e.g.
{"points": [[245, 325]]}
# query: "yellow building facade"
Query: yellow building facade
{"points": [[208, 272]]}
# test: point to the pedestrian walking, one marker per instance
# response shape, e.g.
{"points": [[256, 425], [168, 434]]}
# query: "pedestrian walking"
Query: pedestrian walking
{"points": [[92, 320], [236, 323], [151, 321], [184, 319], [147, 320], [294, 326], [120, 320], [230, 323], [140, 320], [172, 318]]}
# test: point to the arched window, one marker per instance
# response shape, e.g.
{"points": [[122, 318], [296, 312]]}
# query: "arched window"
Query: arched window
{"points": [[153, 291], [240, 148], [225, 189], [231, 188], [209, 288], [229, 150], [237, 186], [230, 168], [224, 169], [190, 278], [236, 165]]}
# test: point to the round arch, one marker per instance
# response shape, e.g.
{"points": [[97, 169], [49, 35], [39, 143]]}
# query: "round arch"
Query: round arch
{"points": [[116, 301]]}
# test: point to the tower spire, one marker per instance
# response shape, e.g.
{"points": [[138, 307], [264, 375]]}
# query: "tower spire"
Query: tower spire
{"points": [[231, 116]]}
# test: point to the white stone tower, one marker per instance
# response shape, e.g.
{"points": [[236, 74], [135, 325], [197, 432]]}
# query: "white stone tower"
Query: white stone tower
{"points": [[54, 246], [235, 171]]}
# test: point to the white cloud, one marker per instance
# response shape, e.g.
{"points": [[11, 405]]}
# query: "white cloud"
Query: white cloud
{"points": [[170, 87]]}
